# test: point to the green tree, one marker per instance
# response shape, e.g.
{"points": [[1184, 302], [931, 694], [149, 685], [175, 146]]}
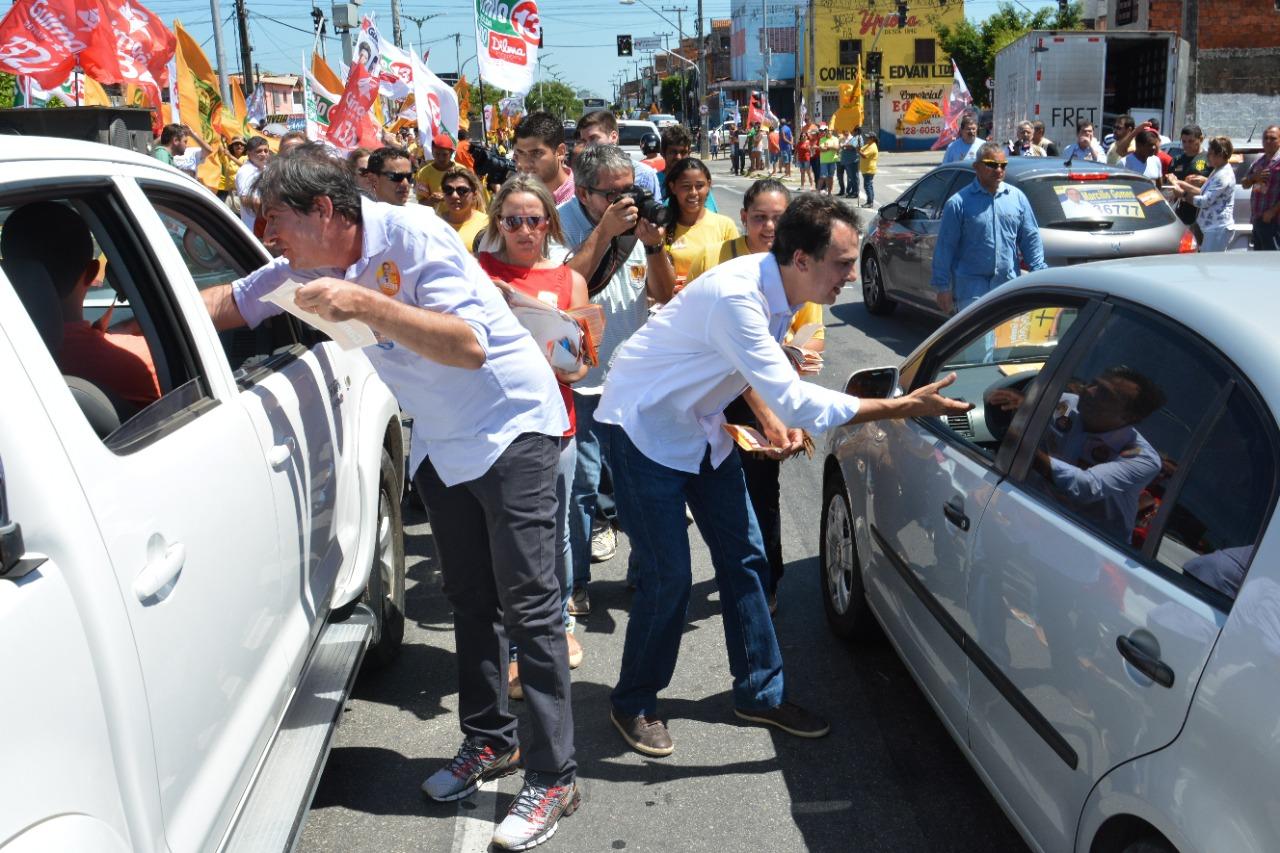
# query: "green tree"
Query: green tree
{"points": [[974, 46], [672, 89], [554, 97]]}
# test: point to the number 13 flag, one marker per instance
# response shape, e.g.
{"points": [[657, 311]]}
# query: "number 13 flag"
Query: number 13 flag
{"points": [[508, 36]]}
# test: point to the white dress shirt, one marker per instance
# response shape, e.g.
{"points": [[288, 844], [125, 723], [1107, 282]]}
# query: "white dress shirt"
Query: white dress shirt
{"points": [[247, 174], [669, 383], [464, 419]]}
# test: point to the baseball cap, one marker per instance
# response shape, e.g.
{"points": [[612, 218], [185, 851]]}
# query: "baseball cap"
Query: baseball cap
{"points": [[442, 140]]}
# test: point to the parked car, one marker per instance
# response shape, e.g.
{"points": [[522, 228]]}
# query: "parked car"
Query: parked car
{"points": [[631, 132], [1115, 213], [1244, 154], [663, 119], [188, 583], [1063, 569]]}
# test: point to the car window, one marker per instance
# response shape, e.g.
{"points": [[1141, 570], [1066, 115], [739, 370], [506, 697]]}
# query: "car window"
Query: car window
{"points": [[92, 289], [931, 193], [1130, 204], [1223, 504], [1123, 425], [995, 368], [631, 134], [215, 254]]}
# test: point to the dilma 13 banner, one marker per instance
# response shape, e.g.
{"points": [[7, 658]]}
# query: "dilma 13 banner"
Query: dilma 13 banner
{"points": [[508, 35]]}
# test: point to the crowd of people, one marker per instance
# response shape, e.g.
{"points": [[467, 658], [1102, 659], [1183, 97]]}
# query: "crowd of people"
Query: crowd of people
{"points": [[829, 161], [519, 464]]}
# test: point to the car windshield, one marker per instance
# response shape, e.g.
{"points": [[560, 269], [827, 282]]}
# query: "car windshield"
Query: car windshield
{"points": [[631, 134], [1117, 202]]}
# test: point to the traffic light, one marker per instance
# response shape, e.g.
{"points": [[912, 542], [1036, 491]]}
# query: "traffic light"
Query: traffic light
{"points": [[624, 45], [878, 89], [902, 15], [317, 21], [874, 59]]}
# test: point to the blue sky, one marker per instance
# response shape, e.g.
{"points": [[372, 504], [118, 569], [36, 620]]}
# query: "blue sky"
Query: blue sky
{"points": [[579, 35]]}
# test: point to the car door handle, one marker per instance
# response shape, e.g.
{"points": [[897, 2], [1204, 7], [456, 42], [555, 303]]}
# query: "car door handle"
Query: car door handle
{"points": [[280, 454], [954, 511], [1145, 660], [160, 572]]}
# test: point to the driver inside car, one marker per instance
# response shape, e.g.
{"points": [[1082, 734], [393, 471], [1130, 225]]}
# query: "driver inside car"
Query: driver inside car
{"points": [[1091, 455]]}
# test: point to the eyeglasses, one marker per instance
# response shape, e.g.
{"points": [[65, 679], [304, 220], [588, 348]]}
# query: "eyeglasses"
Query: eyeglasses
{"points": [[612, 195], [458, 191], [396, 177], [513, 223], [994, 164]]}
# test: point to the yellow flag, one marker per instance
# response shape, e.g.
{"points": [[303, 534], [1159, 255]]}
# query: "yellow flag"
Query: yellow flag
{"points": [[200, 105], [919, 110], [241, 114], [92, 93], [849, 114]]}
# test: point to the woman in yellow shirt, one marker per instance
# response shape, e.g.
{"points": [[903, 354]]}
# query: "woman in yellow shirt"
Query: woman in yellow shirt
{"points": [[463, 205], [870, 152], [762, 206], [694, 234]]}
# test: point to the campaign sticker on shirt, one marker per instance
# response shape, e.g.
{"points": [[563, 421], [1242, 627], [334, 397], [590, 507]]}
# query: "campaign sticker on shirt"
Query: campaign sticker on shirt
{"points": [[1150, 197], [389, 278]]}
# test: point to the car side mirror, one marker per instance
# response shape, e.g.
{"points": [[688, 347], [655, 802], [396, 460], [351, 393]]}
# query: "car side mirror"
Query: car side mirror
{"points": [[875, 382], [891, 211], [11, 547]]}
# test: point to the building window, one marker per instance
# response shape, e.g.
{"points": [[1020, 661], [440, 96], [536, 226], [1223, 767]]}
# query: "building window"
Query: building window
{"points": [[1127, 12], [849, 51], [926, 51]]}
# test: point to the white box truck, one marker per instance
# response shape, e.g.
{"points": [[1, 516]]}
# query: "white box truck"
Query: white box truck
{"points": [[1062, 78]]}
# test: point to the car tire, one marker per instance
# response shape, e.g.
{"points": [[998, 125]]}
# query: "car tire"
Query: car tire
{"points": [[839, 570], [873, 295], [1152, 844], [384, 594]]}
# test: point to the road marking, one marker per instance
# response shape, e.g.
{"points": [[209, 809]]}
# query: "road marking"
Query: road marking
{"points": [[477, 818]]}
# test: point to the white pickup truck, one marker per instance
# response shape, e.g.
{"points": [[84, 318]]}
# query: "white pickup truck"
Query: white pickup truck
{"points": [[190, 581]]}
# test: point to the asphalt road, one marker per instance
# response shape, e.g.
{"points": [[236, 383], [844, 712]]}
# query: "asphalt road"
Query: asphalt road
{"points": [[887, 778]]}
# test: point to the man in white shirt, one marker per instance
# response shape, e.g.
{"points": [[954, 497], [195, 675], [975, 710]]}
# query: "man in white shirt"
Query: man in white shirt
{"points": [[624, 270], [487, 413], [664, 399], [964, 147], [1143, 158], [257, 152]]}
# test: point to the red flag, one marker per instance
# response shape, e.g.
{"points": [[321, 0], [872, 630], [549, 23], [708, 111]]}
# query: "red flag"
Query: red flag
{"points": [[144, 46], [754, 113], [42, 38], [346, 118]]}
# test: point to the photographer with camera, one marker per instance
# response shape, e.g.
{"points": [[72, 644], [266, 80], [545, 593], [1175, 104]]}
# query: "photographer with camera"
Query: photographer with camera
{"points": [[696, 234], [616, 245]]}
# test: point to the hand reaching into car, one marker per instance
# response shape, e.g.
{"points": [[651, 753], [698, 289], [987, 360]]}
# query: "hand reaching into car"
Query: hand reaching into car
{"points": [[924, 402]]}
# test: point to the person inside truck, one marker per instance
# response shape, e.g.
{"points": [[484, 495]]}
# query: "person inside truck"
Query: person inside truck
{"points": [[55, 237], [1085, 147], [1022, 145]]}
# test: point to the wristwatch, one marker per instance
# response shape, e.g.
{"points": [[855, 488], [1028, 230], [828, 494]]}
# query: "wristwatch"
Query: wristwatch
{"points": [[650, 251]]}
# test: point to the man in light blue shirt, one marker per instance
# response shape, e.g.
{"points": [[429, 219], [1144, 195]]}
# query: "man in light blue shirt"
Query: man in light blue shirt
{"points": [[487, 411], [964, 147], [985, 226], [664, 400]]}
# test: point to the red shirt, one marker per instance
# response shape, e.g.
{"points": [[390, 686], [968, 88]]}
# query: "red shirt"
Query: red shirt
{"points": [[121, 364], [544, 285], [802, 151]]}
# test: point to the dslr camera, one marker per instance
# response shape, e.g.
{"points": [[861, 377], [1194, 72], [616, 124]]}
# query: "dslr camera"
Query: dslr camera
{"points": [[647, 207], [491, 167]]}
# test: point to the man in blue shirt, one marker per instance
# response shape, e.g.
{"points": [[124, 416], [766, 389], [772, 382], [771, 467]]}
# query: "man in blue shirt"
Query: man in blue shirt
{"points": [[994, 223], [966, 146]]}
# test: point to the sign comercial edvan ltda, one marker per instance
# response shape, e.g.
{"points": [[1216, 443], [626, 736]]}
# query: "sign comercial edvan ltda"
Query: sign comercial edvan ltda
{"points": [[913, 64], [508, 35]]}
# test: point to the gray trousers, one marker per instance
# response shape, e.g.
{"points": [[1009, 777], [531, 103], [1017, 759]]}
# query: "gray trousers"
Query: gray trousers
{"points": [[496, 537]]}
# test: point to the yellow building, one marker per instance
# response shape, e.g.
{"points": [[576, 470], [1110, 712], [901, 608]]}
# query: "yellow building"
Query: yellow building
{"points": [[912, 63]]}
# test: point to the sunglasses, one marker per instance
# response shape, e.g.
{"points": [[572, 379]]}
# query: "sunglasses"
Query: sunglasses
{"points": [[612, 195], [396, 177], [513, 223], [458, 191], [994, 164]]}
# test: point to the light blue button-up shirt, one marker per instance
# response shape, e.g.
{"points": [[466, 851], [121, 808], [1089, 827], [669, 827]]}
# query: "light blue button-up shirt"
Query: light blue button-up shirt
{"points": [[464, 419], [979, 241], [960, 150], [670, 382]]}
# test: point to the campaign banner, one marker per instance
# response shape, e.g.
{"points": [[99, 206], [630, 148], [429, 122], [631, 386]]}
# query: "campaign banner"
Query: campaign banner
{"points": [[436, 104], [508, 35], [346, 117], [1103, 201], [392, 66]]}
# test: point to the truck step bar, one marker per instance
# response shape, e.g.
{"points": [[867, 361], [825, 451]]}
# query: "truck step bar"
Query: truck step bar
{"points": [[276, 807]]}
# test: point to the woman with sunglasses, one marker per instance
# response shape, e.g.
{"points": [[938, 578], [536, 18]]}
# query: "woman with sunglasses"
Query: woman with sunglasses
{"points": [[463, 207], [694, 233], [515, 249], [762, 206]]}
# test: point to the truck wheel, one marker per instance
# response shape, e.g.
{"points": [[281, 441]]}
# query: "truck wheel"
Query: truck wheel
{"points": [[873, 295], [384, 594]]}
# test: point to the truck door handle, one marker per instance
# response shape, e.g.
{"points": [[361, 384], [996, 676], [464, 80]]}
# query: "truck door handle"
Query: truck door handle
{"points": [[280, 454], [1141, 650], [954, 511], [160, 572]]}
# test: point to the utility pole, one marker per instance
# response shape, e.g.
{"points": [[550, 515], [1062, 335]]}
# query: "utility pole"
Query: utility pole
{"points": [[246, 62], [219, 53], [419, 21], [680, 10], [457, 53], [813, 62], [764, 51], [704, 142], [397, 34]]}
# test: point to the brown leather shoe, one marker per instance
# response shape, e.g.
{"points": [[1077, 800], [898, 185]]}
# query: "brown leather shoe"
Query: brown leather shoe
{"points": [[646, 735], [789, 717]]}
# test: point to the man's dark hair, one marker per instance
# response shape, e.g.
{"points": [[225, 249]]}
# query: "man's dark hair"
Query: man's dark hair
{"points": [[254, 143], [462, 134], [388, 152], [53, 235], [762, 186], [675, 136], [1192, 130], [1081, 125], [543, 127], [602, 119], [806, 227], [1147, 137], [1126, 120], [298, 178], [292, 135], [1149, 398], [171, 132], [1037, 125], [968, 119]]}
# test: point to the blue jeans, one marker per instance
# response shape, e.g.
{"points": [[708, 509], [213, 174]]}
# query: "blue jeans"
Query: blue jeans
{"points": [[867, 181], [1266, 235], [585, 500], [651, 499]]}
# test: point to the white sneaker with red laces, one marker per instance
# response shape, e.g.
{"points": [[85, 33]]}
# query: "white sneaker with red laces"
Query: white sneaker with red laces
{"points": [[535, 814], [472, 765]]}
